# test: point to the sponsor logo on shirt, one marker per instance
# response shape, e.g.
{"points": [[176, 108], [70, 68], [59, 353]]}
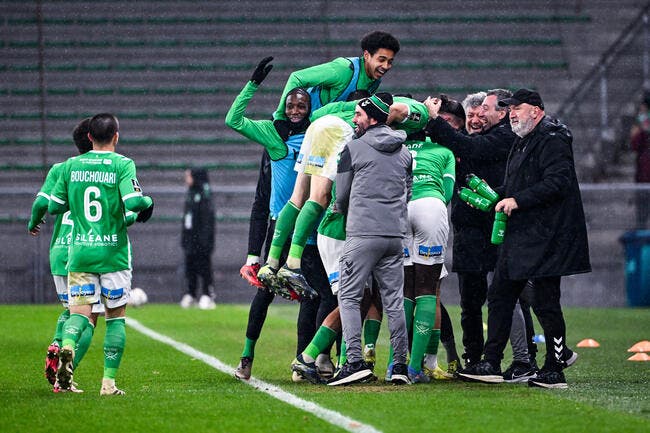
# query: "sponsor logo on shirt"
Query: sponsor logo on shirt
{"points": [[432, 251]]}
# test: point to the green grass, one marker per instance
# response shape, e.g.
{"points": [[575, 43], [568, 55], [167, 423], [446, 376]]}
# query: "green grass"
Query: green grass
{"points": [[169, 391]]}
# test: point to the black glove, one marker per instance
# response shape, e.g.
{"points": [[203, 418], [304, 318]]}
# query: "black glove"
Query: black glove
{"points": [[144, 215], [262, 70]]}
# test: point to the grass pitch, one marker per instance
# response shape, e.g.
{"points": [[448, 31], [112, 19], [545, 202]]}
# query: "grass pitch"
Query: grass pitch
{"points": [[168, 391]]}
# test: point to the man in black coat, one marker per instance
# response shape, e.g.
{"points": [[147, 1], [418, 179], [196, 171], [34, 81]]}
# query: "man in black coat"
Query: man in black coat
{"points": [[546, 238], [484, 154]]}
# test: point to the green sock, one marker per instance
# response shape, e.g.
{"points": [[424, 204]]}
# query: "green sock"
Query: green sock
{"points": [[409, 308], [432, 347], [114, 342], [305, 223], [283, 228], [72, 329], [249, 348], [58, 333], [343, 356], [371, 329], [322, 340], [83, 344], [423, 320]]}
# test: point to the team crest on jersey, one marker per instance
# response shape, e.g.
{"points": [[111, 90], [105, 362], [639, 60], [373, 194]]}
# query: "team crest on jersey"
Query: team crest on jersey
{"points": [[136, 185], [415, 117]]}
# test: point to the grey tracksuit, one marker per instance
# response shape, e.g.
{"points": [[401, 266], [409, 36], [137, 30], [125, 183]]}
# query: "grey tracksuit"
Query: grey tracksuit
{"points": [[373, 187]]}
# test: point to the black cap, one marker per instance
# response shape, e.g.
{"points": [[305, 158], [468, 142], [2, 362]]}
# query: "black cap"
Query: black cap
{"points": [[523, 96]]}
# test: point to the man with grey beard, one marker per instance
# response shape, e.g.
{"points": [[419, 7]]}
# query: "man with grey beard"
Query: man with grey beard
{"points": [[546, 238]]}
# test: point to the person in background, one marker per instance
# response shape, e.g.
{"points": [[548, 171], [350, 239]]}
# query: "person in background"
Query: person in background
{"points": [[197, 239], [640, 143]]}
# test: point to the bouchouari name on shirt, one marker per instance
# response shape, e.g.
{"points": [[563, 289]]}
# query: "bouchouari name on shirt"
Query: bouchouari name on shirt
{"points": [[92, 176]]}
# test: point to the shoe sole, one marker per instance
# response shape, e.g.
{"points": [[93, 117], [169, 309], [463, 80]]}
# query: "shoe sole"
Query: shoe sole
{"points": [[51, 364], [357, 377], [63, 374], [533, 384], [400, 379], [307, 374], [297, 286], [483, 379]]}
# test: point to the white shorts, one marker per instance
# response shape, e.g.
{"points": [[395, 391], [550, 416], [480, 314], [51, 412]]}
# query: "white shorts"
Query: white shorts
{"points": [[330, 251], [427, 233], [319, 152], [61, 284], [111, 289]]}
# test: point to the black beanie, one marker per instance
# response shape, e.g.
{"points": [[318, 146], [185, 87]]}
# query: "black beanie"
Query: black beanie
{"points": [[377, 106]]}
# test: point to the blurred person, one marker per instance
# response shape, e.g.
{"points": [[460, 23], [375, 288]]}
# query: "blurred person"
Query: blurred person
{"points": [[197, 239], [546, 238], [96, 188], [640, 143]]}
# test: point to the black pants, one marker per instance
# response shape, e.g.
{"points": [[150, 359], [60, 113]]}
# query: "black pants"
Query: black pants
{"points": [[545, 301], [473, 289], [198, 266]]}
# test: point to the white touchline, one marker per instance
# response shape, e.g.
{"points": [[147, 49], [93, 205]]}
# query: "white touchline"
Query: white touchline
{"points": [[330, 416]]}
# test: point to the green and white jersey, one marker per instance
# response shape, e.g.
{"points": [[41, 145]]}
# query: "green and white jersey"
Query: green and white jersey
{"points": [[98, 188], [417, 118], [62, 230], [434, 168], [333, 223]]}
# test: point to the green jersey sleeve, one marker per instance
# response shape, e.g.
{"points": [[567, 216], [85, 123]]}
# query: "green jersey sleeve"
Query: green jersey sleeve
{"points": [[417, 118], [332, 77], [59, 195], [259, 131], [130, 189], [42, 200]]}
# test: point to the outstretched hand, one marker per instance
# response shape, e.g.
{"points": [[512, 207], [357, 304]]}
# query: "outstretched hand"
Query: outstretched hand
{"points": [[262, 70]]}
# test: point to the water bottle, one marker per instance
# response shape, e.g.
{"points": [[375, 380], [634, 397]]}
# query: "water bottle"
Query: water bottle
{"points": [[481, 187], [474, 199], [499, 228]]}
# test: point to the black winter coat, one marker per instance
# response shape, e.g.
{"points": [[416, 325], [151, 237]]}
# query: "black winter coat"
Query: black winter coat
{"points": [[198, 222], [485, 155], [546, 236]]}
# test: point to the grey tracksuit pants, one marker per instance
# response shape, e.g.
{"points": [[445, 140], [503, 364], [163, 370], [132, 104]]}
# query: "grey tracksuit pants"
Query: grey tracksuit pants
{"points": [[383, 258]]}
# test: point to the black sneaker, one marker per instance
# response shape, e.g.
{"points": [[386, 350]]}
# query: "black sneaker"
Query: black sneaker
{"points": [[570, 357], [306, 370], [400, 375], [482, 371], [549, 379], [519, 372], [351, 372]]}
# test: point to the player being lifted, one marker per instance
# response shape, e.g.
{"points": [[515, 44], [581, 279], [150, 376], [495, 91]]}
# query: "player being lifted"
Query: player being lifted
{"points": [[328, 82], [97, 187]]}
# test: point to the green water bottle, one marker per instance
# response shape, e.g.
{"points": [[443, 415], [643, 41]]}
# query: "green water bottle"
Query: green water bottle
{"points": [[499, 228], [476, 200], [481, 187]]}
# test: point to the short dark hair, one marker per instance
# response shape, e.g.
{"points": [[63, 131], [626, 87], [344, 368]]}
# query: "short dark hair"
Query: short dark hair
{"points": [[500, 94], [373, 41], [80, 136], [103, 127], [358, 94]]}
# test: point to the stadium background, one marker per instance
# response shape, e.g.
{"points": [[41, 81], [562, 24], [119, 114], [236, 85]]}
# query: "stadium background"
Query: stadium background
{"points": [[170, 70]]}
